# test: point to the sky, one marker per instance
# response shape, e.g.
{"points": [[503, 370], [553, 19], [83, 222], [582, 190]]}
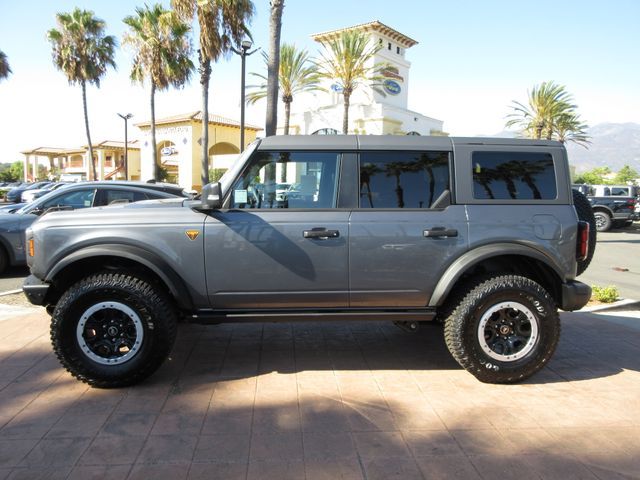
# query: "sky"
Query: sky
{"points": [[472, 60]]}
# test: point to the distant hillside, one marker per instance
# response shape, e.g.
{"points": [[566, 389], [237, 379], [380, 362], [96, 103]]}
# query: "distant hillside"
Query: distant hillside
{"points": [[613, 145]]}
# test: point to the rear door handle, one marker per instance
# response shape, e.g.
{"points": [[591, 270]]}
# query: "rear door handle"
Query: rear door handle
{"points": [[440, 232], [321, 233]]}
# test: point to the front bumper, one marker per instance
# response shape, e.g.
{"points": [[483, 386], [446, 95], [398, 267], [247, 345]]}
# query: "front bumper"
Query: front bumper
{"points": [[575, 295], [35, 289]]}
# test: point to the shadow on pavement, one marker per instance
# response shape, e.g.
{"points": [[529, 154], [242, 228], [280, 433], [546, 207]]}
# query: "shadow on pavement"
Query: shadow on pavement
{"points": [[359, 400]]}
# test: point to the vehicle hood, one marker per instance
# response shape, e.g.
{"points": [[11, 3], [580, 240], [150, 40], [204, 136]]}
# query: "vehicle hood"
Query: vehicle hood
{"points": [[145, 212]]}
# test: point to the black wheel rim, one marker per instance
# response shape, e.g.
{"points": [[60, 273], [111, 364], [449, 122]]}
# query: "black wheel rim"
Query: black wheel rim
{"points": [[110, 333], [508, 331]]}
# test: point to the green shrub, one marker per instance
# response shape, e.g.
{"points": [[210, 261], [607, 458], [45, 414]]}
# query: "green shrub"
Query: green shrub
{"points": [[606, 294]]}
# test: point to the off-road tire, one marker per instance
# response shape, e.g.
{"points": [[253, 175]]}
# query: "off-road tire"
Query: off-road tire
{"points": [[146, 301], [603, 221], [462, 327], [585, 213]]}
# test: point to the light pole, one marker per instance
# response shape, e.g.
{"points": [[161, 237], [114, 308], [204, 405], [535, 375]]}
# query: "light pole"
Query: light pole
{"points": [[243, 52], [126, 145]]}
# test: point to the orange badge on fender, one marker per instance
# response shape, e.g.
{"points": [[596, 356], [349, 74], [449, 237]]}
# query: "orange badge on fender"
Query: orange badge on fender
{"points": [[192, 234]]}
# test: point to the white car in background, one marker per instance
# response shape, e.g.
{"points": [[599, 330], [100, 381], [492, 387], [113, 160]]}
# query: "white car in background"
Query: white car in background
{"points": [[30, 195]]}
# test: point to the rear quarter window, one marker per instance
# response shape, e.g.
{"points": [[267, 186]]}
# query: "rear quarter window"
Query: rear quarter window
{"points": [[513, 176]]}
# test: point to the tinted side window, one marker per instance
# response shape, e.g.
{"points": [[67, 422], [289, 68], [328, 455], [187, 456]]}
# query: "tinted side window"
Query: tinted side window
{"points": [[513, 176], [288, 180], [402, 179], [122, 196]]}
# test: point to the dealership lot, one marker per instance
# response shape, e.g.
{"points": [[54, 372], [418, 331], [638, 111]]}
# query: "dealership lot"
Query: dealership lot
{"points": [[333, 400]]}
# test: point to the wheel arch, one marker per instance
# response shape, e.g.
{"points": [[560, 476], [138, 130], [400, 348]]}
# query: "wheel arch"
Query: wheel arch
{"points": [[602, 208], [76, 265], [501, 259], [7, 249]]}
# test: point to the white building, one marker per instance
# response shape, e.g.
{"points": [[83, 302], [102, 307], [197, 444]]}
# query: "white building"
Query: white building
{"points": [[380, 109]]}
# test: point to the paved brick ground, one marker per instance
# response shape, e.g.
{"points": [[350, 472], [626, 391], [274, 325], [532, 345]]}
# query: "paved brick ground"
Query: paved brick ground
{"points": [[352, 401]]}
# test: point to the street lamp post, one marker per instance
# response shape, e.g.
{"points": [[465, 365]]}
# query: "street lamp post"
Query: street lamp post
{"points": [[243, 52], [126, 145]]}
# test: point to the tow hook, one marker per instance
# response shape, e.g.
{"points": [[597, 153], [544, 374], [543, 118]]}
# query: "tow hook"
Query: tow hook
{"points": [[410, 327]]}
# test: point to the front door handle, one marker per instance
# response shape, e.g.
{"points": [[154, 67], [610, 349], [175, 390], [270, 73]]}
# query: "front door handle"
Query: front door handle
{"points": [[321, 233], [440, 232]]}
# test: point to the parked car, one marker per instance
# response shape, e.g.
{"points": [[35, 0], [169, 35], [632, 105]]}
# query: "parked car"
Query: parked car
{"points": [[71, 197], [31, 194], [15, 194]]}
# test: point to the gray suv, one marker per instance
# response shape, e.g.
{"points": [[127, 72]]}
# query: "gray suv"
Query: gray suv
{"points": [[479, 234]]}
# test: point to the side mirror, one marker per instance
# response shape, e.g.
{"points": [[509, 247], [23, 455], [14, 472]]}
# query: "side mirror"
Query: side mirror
{"points": [[211, 196]]}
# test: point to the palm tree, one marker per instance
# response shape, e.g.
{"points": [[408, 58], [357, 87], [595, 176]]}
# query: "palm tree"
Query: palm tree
{"points": [[550, 114], [273, 67], [297, 75], [570, 128], [83, 52], [223, 24], [348, 61], [162, 46], [5, 69]]}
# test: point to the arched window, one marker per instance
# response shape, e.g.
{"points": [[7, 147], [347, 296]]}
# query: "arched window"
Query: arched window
{"points": [[413, 133], [326, 131]]}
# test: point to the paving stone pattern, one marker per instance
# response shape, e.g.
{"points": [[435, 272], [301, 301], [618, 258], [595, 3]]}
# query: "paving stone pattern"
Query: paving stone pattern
{"points": [[323, 401]]}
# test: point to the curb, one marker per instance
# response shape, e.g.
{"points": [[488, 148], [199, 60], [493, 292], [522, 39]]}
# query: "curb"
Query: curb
{"points": [[8, 311], [626, 304]]}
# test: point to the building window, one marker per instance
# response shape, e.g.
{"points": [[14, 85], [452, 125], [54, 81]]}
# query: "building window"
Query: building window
{"points": [[398, 50], [326, 131], [389, 46]]}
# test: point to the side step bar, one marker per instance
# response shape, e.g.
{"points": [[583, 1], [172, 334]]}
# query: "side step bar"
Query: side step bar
{"points": [[230, 316]]}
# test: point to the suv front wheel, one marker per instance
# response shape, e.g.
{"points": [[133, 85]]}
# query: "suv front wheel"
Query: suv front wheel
{"points": [[504, 329], [112, 329]]}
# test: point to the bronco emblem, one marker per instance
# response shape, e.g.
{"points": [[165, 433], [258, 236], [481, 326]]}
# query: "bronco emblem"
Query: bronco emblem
{"points": [[192, 234]]}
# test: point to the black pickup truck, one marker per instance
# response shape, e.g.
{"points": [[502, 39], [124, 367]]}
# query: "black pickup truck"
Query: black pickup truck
{"points": [[613, 211]]}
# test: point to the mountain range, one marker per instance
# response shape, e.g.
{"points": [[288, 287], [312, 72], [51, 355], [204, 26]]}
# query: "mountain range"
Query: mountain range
{"points": [[613, 145]]}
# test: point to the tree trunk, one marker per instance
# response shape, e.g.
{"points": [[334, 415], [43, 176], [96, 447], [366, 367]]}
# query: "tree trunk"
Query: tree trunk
{"points": [[345, 118], [205, 75], [156, 166], [86, 126], [287, 116], [273, 67]]}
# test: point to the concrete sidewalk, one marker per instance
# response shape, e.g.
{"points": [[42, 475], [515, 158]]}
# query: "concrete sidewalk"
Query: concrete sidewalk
{"points": [[324, 401]]}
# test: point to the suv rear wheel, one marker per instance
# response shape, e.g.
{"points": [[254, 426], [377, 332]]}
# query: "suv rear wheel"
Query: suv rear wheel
{"points": [[112, 330], [504, 329]]}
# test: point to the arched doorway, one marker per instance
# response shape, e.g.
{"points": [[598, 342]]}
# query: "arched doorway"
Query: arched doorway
{"points": [[169, 160], [221, 157]]}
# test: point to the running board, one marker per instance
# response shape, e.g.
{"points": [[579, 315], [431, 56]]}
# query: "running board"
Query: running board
{"points": [[224, 316]]}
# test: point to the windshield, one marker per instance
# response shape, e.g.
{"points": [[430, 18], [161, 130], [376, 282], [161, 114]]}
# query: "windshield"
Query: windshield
{"points": [[233, 172], [29, 207]]}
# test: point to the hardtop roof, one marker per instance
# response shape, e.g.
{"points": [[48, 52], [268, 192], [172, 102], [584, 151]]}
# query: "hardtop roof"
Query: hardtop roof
{"points": [[389, 142]]}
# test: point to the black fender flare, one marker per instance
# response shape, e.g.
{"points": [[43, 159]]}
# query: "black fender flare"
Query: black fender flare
{"points": [[477, 255], [602, 208], [150, 260]]}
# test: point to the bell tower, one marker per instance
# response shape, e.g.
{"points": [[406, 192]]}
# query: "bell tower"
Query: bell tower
{"points": [[392, 45]]}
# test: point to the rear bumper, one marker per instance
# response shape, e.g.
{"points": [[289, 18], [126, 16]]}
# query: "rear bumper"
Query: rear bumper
{"points": [[575, 295], [35, 290]]}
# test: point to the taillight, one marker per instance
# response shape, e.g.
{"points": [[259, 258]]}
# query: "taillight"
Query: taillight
{"points": [[582, 246]]}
